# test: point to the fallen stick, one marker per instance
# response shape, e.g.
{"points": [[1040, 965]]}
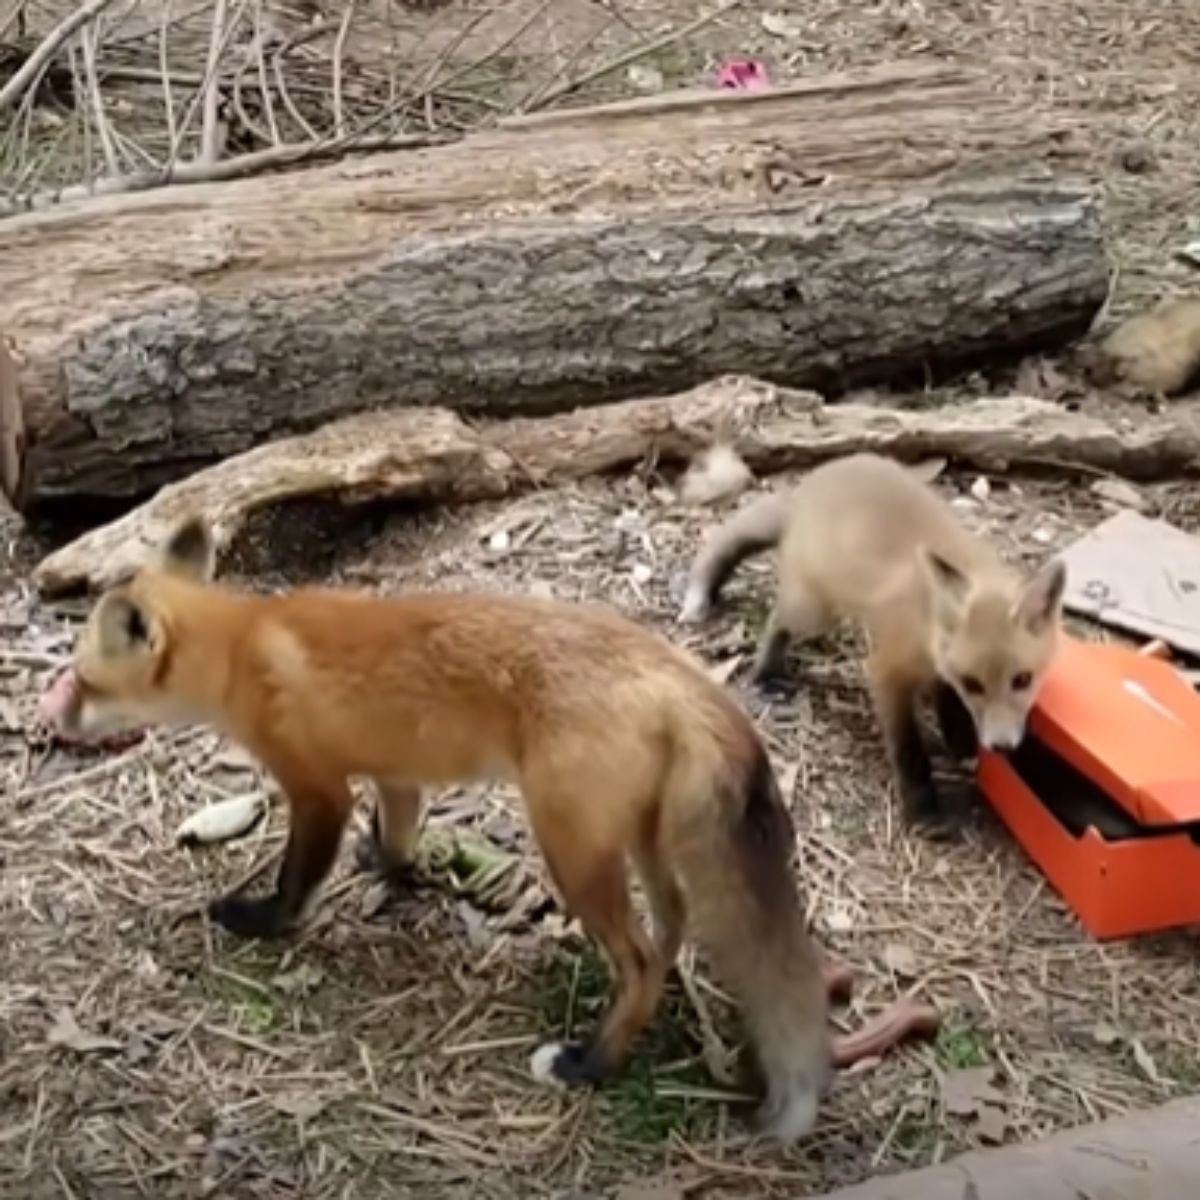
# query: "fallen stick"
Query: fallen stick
{"points": [[432, 455], [897, 1023]]}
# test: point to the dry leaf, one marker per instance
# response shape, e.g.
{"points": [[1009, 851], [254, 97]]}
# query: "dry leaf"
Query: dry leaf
{"points": [[840, 921], [787, 781], [1120, 493], [778, 25], [66, 1032], [965, 1092], [1145, 1063], [901, 959], [222, 821], [722, 672]]}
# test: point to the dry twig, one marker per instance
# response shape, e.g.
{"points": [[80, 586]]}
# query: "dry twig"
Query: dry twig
{"points": [[49, 46]]}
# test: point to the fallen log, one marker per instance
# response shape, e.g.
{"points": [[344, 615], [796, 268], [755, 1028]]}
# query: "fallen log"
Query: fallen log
{"points": [[433, 455], [846, 228]]}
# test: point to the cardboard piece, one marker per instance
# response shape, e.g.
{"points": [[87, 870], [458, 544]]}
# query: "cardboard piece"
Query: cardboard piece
{"points": [[1138, 574]]}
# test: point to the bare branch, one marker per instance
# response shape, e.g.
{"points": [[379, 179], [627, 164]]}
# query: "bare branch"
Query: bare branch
{"points": [[88, 39], [168, 101], [339, 50], [229, 168], [631, 56], [264, 83], [209, 148], [47, 49]]}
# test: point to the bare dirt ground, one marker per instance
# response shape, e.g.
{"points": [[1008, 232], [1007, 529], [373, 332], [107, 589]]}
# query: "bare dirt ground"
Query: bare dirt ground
{"points": [[383, 1051]]}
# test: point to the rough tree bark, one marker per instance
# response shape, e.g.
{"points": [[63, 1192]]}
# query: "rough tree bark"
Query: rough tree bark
{"points": [[844, 229], [431, 454]]}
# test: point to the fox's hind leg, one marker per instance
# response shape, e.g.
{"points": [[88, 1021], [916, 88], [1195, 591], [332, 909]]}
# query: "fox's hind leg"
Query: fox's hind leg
{"points": [[667, 904], [391, 845], [798, 615], [589, 872]]}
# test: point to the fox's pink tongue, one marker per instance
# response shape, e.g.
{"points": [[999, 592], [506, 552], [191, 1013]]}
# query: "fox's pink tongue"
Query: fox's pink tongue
{"points": [[58, 700]]}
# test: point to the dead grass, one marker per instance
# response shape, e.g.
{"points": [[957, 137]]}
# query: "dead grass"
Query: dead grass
{"points": [[385, 1048], [382, 1052]]}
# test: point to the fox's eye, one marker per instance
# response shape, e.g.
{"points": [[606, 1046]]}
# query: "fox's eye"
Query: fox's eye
{"points": [[972, 686], [1021, 681]]}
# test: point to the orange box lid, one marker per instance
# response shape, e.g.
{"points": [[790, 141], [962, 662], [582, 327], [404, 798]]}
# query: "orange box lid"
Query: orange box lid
{"points": [[1130, 722]]}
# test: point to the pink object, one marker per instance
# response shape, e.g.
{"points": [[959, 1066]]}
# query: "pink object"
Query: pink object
{"points": [[742, 75], [58, 699]]}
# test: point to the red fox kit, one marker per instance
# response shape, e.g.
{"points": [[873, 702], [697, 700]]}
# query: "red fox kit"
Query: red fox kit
{"points": [[622, 747], [861, 537]]}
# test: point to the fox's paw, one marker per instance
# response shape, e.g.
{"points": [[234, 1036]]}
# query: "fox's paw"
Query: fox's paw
{"points": [[565, 1064], [934, 824], [772, 685], [926, 813], [260, 917]]}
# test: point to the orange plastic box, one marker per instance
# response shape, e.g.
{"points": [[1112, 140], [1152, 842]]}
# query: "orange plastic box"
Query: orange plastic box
{"points": [[1114, 732]]}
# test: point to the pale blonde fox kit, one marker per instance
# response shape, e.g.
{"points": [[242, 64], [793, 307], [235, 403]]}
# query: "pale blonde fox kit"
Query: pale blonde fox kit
{"points": [[862, 538]]}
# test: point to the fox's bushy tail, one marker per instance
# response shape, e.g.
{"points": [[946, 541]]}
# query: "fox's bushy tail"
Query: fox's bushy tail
{"points": [[756, 528], [733, 857]]}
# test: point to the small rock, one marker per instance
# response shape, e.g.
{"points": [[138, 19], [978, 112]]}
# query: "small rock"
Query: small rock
{"points": [[981, 489], [641, 573], [499, 541], [1120, 493], [1042, 535]]}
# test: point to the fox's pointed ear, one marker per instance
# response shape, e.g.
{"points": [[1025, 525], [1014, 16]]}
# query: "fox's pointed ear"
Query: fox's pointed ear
{"points": [[189, 550], [1040, 601], [948, 586], [123, 626]]}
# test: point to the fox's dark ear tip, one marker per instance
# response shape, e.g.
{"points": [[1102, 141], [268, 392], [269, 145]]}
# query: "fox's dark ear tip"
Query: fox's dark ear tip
{"points": [[190, 547]]}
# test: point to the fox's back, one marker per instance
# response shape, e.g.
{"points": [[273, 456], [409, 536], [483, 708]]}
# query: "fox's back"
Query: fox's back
{"points": [[854, 531], [438, 679]]}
